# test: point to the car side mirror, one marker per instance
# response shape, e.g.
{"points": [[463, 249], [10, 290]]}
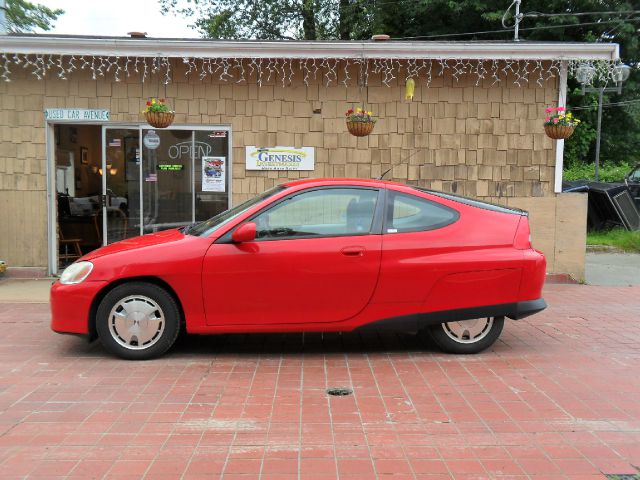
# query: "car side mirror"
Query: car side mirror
{"points": [[244, 233]]}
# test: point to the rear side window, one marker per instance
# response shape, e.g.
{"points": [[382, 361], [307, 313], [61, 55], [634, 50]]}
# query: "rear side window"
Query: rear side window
{"points": [[474, 202], [408, 213]]}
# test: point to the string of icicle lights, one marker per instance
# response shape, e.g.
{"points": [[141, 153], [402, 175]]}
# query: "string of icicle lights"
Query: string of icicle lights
{"points": [[330, 71]]}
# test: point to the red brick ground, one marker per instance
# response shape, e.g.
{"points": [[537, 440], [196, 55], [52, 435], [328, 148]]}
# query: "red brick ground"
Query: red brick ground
{"points": [[557, 398]]}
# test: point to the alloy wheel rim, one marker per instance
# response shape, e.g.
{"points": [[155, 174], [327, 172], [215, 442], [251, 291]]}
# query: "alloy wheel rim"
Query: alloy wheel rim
{"points": [[136, 322], [468, 331]]}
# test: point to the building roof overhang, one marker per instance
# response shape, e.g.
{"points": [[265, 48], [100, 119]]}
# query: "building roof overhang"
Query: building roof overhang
{"points": [[204, 48]]}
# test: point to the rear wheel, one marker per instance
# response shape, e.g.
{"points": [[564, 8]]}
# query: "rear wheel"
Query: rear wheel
{"points": [[466, 336], [138, 321]]}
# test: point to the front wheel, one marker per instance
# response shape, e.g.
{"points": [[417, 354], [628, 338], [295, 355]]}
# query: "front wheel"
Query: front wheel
{"points": [[138, 321], [466, 336]]}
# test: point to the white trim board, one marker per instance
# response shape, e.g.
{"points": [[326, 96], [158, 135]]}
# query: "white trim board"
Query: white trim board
{"points": [[154, 47]]}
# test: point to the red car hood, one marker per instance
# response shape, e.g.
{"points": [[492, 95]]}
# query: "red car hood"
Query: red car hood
{"points": [[166, 236]]}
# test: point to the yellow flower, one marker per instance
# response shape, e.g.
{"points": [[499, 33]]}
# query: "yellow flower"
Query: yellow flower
{"points": [[153, 101], [369, 113]]}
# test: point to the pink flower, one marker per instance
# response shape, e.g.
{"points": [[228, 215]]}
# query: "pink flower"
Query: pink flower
{"points": [[555, 120], [548, 119], [560, 109], [548, 110]]}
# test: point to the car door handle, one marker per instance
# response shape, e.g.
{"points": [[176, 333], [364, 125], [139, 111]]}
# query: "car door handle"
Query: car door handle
{"points": [[353, 251]]}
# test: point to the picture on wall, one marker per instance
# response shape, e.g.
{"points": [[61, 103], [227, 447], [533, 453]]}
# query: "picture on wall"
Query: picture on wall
{"points": [[84, 156]]}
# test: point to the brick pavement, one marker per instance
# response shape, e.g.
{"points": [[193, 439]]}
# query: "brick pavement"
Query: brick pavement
{"points": [[558, 397]]}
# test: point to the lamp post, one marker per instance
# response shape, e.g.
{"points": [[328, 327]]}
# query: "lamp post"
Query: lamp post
{"points": [[584, 75]]}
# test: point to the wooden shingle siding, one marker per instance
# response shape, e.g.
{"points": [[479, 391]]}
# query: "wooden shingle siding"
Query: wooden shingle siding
{"points": [[481, 141]]}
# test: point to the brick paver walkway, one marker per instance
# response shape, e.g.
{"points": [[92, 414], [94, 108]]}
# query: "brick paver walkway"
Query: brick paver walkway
{"points": [[557, 398]]}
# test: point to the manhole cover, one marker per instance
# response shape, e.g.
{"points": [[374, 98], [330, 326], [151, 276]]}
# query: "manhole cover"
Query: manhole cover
{"points": [[339, 391]]}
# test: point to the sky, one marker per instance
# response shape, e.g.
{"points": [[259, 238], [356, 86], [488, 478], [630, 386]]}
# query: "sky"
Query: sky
{"points": [[116, 18]]}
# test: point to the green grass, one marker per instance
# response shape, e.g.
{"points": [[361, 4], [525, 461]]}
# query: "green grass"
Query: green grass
{"points": [[617, 237]]}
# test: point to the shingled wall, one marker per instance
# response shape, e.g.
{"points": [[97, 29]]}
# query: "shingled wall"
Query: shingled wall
{"points": [[483, 141]]}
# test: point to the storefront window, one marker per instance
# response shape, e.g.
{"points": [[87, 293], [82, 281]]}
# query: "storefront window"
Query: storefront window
{"points": [[185, 176]]}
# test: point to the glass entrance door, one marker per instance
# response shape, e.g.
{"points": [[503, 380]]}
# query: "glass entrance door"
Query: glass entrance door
{"points": [[121, 164], [167, 183]]}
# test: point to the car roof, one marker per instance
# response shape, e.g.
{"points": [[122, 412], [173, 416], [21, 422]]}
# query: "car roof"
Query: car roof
{"points": [[340, 181]]}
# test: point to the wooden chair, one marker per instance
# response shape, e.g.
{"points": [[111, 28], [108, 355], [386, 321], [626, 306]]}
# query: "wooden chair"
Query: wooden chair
{"points": [[74, 243], [117, 223]]}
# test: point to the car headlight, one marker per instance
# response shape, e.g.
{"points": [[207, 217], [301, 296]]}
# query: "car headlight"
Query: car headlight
{"points": [[76, 273]]}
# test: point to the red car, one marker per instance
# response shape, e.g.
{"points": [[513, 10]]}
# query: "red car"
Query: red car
{"points": [[319, 255]]}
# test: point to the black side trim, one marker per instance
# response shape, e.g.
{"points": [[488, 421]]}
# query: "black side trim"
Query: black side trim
{"points": [[413, 323], [528, 307], [79, 335]]}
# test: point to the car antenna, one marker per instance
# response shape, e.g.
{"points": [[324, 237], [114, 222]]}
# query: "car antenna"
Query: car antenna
{"points": [[382, 176], [403, 160]]}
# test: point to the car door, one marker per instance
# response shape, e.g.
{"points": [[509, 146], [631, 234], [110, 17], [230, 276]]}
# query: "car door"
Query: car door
{"points": [[315, 260], [433, 258], [415, 247]]}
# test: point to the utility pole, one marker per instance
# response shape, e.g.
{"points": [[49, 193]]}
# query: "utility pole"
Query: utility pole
{"points": [[600, 93]]}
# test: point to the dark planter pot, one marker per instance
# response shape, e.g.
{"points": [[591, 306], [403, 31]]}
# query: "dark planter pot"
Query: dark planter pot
{"points": [[360, 129], [159, 119], [558, 132]]}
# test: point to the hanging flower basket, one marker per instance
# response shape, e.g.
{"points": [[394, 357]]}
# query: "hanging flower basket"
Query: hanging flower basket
{"points": [[159, 119], [359, 122], [559, 124], [558, 132], [360, 129], [157, 113]]}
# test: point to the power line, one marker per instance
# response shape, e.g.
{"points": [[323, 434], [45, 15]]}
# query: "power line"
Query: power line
{"points": [[567, 25], [578, 14], [534, 14], [610, 104]]}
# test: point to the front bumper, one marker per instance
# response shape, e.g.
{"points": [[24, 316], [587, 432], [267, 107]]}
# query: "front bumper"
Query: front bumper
{"points": [[71, 306]]}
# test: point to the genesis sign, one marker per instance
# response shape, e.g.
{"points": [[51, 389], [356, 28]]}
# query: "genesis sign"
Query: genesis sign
{"points": [[280, 158]]}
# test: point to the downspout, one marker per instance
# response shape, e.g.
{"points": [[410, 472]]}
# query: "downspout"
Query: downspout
{"points": [[562, 102], [3, 18]]}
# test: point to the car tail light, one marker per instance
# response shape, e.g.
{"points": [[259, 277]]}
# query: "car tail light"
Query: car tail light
{"points": [[522, 240]]}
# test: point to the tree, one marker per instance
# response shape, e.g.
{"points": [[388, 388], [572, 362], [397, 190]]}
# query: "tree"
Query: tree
{"points": [[277, 19], [23, 16]]}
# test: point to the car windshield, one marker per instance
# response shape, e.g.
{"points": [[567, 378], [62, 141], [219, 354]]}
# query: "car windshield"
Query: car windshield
{"points": [[207, 227]]}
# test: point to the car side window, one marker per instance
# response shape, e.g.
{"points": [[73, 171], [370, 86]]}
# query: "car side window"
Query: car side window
{"points": [[409, 213], [635, 175], [319, 213]]}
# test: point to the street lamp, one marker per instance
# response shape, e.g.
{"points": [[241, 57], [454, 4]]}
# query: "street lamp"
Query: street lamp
{"points": [[585, 75]]}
